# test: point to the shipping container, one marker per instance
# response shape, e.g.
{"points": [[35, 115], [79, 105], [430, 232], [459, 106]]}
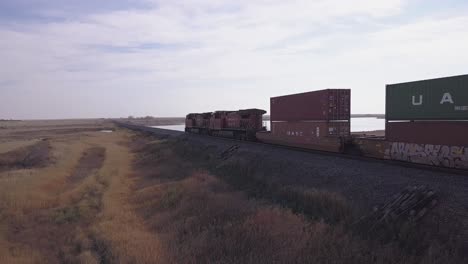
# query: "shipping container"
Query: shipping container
{"points": [[329, 104], [435, 99], [310, 129], [318, 135], [440, 155], [331, 144], [453, 133]]}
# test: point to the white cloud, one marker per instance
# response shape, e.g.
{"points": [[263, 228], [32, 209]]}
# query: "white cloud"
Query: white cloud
{"points": [[201, 47]]}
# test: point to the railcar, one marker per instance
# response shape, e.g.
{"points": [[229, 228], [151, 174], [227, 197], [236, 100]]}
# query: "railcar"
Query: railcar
{"points": [[426, 123], [240, 124]]}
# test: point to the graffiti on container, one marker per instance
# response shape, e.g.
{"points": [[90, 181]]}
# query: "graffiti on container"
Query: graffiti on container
{"points": [[438, 155]]}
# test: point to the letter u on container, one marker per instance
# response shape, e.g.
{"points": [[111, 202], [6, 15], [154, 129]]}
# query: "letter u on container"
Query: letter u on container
{"points": [[435, 99]]}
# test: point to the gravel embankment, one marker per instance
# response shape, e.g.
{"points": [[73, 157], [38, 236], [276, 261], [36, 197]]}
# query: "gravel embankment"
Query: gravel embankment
{"points": [[363, 182]]}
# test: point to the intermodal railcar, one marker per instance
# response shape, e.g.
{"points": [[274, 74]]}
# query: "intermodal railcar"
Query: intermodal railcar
{"points": [[426, 123]]}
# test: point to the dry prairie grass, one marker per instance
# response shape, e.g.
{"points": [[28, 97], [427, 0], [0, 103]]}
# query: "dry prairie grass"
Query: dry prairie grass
{"points": [[120, 234], [118, 198], [15, 144], [34, 155], [242, 216], [74, 210], [203, 220], [25, 196]]}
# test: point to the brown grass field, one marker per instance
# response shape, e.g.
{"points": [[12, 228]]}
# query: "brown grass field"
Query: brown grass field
{"points": [[70, 193]]}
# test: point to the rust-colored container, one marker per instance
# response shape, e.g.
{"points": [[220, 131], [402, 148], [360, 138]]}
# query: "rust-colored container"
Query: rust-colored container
{"points": [[318, 135], [329, 104], [453, 133], [331, 144], [305, 130]]}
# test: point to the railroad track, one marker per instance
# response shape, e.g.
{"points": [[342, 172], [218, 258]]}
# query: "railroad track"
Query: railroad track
{"points": [[168, 132]]}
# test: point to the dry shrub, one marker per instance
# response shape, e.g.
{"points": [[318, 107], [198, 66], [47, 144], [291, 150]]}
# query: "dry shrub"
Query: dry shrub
{"points": [[318, 204], [36, 155], [202, 219], [210, 223]]}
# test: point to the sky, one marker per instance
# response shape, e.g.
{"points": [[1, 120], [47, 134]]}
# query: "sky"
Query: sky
{"points": [[115, 58]]}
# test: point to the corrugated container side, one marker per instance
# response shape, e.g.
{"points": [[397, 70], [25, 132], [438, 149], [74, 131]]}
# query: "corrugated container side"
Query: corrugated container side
{"points": [[339, 103], [331, 144], [449, 156], [436, 99], [330, 104], [429, 132], [306, 131]]}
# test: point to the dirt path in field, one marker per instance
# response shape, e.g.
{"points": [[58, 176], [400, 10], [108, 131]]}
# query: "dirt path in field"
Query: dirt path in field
{"points": [[79, 213], [91, 160], [59, 232]]}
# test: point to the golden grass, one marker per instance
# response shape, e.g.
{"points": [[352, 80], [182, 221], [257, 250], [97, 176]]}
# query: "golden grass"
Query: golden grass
{"points": [[15, 144], [202, 219], [122, 234], [154, 206], [35, 188], [89, 215], [24, 192]]}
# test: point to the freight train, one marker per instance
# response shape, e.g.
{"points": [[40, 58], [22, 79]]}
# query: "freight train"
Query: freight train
{"points": [[241, 124], [420, 127]]}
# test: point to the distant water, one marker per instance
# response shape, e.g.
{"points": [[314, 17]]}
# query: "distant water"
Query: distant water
{"points": [[367, 124], [357, 125]]}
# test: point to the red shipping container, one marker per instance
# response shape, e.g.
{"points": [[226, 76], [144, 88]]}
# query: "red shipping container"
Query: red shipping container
{"points": [[331, 144], [454, 133], [326, 136], [310, 130], [329, 104]]}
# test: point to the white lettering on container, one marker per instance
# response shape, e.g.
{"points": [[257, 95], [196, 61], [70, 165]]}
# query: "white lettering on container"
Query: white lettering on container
{"points": [[461, 108], [420, 100], [446, 98]]}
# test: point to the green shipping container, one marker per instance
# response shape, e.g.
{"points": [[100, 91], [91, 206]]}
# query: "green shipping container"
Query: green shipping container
{"points": [[435, 99]]}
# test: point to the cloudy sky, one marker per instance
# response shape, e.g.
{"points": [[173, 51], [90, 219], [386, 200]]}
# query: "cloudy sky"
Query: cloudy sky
{"points": [[113, 58]]}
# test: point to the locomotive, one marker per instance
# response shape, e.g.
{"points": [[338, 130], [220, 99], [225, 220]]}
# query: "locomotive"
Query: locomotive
{"points": [[426, 122], [240, 124]]}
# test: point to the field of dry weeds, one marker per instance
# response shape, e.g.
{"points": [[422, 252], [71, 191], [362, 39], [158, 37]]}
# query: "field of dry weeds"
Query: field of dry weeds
{"points": [[71, 193], [64, 196]]}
